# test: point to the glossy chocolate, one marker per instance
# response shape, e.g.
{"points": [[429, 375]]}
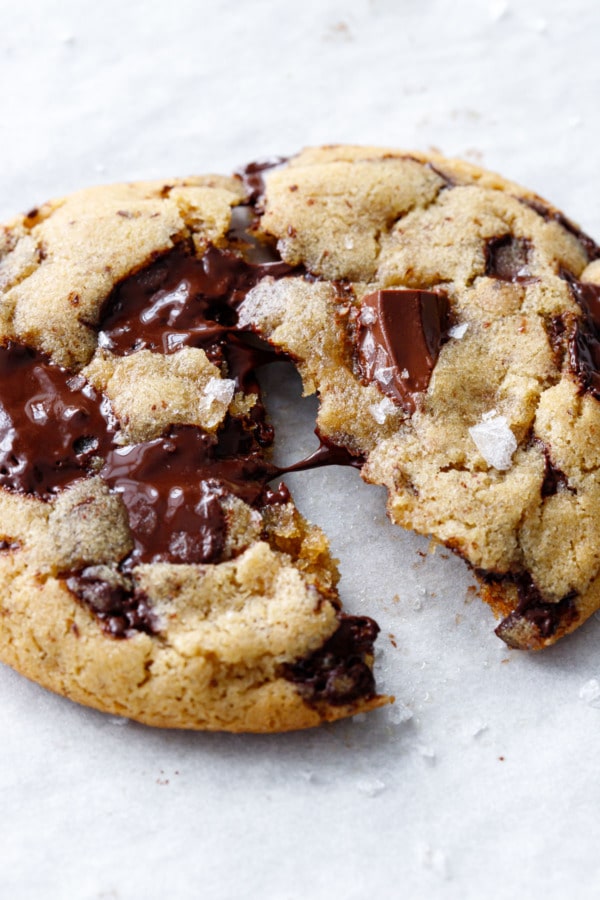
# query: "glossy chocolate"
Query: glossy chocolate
{"points": [[584, 346], [181, 300], [399, 337], [53, 425], [173, 488], [339, 672]]}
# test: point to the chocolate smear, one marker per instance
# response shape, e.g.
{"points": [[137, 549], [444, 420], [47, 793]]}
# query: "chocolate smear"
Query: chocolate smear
{"points": [[399, 337], [181, 300], [252, 176]]}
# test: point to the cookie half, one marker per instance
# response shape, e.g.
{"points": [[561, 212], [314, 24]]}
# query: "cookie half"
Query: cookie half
{"points": [[451, 327], [150, 565]]}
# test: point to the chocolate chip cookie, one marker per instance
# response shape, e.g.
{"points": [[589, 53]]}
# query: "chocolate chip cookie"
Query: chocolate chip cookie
{"points": [[153, 563]]}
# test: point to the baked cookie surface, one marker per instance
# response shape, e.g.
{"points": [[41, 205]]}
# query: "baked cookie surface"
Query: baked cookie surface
{"points": [[152, 565]]}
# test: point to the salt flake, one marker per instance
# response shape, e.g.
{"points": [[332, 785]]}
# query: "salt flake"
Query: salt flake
{"points": [[367, 316], [590, 692], [371, 787], [458, 331], [494, 440], [382, 410], [398, 714]]}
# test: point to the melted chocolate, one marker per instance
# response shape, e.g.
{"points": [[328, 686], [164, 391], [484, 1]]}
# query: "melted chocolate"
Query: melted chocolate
{"points": [[181, 300], [252, 176], [327, 454], [53, 425], [173, 486], [399, 338], [507, 259], [545, 617], [584, 345], [338, 672]]}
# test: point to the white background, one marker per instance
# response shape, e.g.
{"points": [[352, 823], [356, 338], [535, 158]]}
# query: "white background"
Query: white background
{"points": [[483, 781]]}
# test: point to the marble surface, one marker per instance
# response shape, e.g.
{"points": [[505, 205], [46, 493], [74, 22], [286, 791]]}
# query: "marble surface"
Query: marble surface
{"points": [[482, 780]]}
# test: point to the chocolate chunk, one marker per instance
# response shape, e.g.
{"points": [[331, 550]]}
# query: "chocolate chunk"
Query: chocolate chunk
{"points": [[173, 489], [507, 258], [121, 611], [399, 338], [584, 345], [534, 610], [338, 672], [53, 425]]}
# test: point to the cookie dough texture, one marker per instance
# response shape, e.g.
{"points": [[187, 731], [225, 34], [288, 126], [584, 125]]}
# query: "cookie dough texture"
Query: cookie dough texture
{"points": [[365, 219]]}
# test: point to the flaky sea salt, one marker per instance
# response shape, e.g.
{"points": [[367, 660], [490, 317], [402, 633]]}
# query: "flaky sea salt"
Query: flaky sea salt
{"points": [[494, 440], [220, 389], [367, 316], [432, 859], [349, 243], [370, 786], [590, 692], [458, 331], [384, 374], [398, 714], [382, 410]]}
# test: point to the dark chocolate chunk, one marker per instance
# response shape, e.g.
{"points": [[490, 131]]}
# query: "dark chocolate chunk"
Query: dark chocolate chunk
{"points": [[584, 345], [53, 425], [338, 672], [399, 337], [121, 611], [507, 258], [533, 608]]}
